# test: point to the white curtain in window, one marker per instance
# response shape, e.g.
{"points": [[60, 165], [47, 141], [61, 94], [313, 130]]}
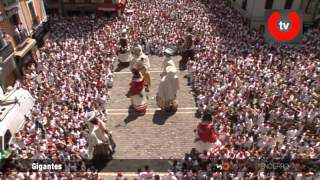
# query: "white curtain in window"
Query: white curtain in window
{"points": [[43, 11], [1, 92]]}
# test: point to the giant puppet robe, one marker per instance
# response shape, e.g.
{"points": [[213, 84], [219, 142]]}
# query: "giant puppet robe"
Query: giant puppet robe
{"points": [[167, 91], [138, 95]]}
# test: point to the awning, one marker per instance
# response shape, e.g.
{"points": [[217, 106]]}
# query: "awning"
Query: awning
{"points": [[107, 9], [111, 6], [106, 6], [28, 44]]}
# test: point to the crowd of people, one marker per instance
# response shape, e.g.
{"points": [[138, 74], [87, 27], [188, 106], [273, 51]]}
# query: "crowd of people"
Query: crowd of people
{"points": [[71, 78], [264, 100]]}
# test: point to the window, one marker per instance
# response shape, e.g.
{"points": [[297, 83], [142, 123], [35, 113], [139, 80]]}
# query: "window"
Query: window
{"points": [[2, 44], [311, 6], [7, 137], [244, 4], [1, 142], [1, 94], [43, 9], [14, 19], [33, 14], [10, 2], [288, 4], [269, 4]]}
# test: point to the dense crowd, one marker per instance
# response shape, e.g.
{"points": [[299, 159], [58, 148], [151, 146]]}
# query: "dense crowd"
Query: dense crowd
{"points": [[265, 100], [72, 77]]}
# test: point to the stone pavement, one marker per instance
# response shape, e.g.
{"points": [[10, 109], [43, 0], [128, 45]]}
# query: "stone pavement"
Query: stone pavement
{"points": [[154, 136]]}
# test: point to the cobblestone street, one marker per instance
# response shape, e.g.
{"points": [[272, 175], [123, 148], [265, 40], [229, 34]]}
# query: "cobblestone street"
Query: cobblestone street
{"points": [[156, 135]]}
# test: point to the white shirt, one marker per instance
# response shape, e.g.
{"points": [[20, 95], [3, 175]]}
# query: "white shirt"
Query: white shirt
{"points": [[146, 175], [84, 153]]}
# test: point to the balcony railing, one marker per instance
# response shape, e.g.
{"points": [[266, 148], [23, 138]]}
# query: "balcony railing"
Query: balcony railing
{"points": [[9, 2], [6, 52], [20, 38]]}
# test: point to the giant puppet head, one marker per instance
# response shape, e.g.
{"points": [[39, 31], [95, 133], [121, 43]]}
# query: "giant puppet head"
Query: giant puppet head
{"points": [[137, 51]]}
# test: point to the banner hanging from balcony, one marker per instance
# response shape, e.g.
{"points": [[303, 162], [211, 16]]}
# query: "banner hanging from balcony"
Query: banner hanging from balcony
{"points": [[106, 6], [111, 5]]}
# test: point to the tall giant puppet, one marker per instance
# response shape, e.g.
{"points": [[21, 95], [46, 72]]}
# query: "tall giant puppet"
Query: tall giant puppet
{"points": [[140, 61], [168, 61], [168, 88], [137, 93], [124, 53]]}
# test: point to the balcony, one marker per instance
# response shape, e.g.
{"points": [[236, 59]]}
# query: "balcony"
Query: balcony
{"points": [[9, 2], [25, 47], [20, 37], [5, 52]]}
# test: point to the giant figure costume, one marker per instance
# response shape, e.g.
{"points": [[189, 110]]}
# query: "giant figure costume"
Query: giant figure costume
{"points": [[137, 93], [168, 61], [140, 61], [168, 88], [124, 53]]}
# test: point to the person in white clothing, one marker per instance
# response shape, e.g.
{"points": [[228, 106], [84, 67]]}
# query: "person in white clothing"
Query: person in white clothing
{"points": [[98, 134], [147, 174]]}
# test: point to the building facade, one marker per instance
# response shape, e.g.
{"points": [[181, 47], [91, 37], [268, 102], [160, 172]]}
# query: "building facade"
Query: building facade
{"points": [[23, 25], [253, 11], [311, 12], [8, 69], [65, 7]]}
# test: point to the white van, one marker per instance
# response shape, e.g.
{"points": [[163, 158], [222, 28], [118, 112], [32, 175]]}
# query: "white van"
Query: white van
{"points": [[13, 107]]}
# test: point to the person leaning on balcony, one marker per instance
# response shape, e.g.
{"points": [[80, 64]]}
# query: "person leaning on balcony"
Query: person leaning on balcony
{"points": [[17, 34], [22, 31]]}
